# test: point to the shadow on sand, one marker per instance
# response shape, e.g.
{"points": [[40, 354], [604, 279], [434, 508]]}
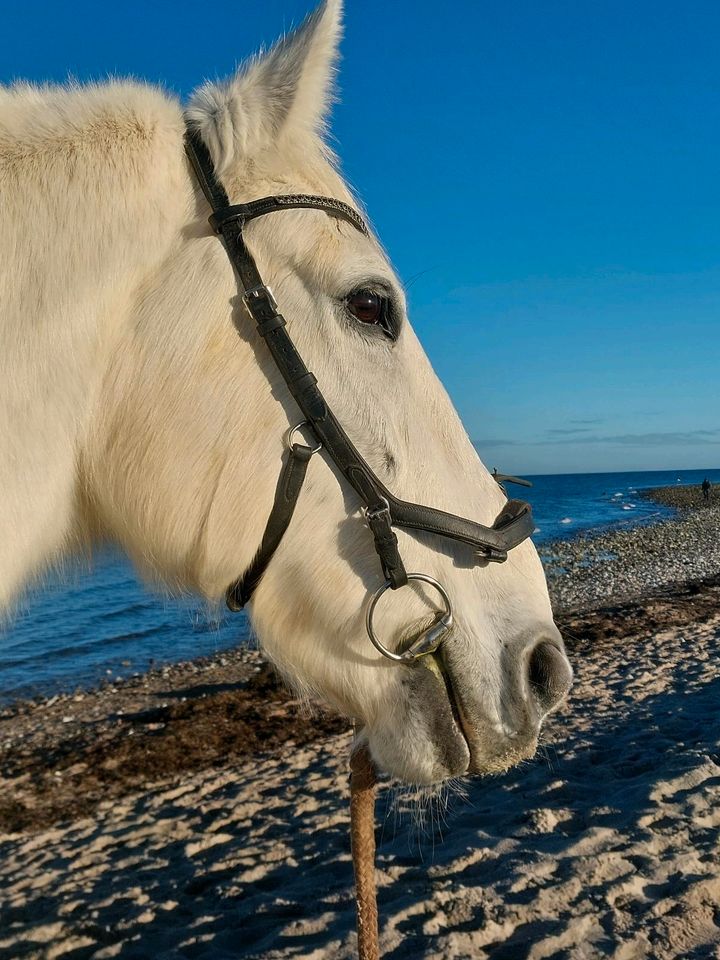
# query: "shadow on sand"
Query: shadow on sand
{"points": [[255, 863]]}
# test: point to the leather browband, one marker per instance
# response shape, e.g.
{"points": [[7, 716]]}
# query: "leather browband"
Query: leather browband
{"points": [[258, 208], [382, 509]]}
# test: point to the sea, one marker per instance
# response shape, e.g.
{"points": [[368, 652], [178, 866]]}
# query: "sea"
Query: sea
{"points": [[100, 623]]}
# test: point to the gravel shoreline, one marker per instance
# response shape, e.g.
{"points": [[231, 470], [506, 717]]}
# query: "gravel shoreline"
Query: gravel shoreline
{"points": [[600, 568], [62, 756]]}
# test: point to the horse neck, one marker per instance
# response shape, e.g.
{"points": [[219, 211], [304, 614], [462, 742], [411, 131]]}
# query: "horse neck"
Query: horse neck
{"points": [[86, 218]]}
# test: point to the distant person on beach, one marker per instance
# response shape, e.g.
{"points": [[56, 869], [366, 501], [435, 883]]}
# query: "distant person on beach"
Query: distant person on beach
{"points": [[706, 485]]}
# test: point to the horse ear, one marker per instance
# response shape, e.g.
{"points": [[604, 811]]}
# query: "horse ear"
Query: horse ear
{"points": [[284, 91]]}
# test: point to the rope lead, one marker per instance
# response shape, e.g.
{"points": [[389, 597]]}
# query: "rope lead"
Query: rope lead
{"points": [[362, 840]]}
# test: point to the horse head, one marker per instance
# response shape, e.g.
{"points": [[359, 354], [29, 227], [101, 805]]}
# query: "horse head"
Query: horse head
{"points": [[188, 445]]}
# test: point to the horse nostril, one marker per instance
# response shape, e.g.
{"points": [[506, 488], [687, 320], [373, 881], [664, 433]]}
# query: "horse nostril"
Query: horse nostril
{"points": [[549, 675]]}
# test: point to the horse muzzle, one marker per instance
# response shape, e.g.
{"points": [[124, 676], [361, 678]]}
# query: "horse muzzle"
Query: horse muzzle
{"points": [[536, 679]]}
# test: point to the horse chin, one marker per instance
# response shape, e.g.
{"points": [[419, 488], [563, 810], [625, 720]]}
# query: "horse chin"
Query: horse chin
{"points": [[423, 743]]}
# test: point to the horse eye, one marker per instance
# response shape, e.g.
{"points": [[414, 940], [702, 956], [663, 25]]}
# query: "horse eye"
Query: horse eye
{"points": [[366, 306]]}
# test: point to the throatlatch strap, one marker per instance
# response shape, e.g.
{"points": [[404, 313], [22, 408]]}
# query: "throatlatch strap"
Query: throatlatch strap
{"points": [[286, 498]]}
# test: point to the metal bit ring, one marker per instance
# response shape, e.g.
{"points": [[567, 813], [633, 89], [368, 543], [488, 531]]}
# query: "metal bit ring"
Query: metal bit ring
{"points": [[435, 632]]}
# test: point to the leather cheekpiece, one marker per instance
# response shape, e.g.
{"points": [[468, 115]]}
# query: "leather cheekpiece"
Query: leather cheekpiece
{"points": [[287, 492]]}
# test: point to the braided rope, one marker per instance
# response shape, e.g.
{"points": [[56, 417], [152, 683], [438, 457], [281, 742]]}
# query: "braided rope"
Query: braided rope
{"points": [[362, 841]]}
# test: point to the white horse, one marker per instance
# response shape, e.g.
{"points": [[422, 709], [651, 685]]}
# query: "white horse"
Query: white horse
{"points": [[137, 402]]}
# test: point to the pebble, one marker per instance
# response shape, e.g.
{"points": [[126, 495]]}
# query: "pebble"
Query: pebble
{"points": [[595, 568]]}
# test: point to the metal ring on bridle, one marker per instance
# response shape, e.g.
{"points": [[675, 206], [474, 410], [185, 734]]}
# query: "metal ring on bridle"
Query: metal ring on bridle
{"points": [[293, 430], [432, 635]]}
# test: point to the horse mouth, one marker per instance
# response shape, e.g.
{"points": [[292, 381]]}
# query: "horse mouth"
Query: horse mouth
{"points": [[452, 696], [489, 751], [436, 663]]}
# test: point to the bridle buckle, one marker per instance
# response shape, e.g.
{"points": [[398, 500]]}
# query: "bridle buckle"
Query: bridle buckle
{"points": [[375, 513], [261, 302]]}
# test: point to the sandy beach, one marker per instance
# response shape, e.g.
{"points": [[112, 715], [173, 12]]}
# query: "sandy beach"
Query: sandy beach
{"points": [[200, 811]]}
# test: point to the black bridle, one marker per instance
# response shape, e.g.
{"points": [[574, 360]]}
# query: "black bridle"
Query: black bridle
{"points": [[382, 510]]}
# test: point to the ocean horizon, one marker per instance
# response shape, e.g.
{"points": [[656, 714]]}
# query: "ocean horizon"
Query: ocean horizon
{"points": [[98, 622]]}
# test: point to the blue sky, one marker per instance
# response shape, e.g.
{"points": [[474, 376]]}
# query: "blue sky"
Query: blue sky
{"points": [[544, 174]]}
